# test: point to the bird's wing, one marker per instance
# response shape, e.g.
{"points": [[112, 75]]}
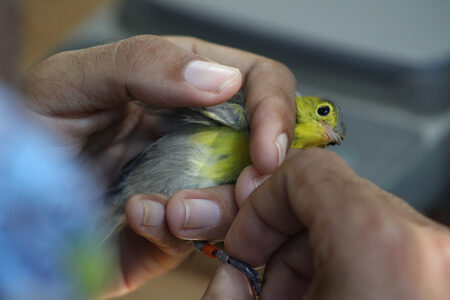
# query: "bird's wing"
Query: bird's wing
{"points": [[230, 113]]}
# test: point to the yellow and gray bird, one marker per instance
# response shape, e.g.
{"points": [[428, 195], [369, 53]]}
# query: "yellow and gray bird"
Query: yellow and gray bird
{"points": [[209, 146]]}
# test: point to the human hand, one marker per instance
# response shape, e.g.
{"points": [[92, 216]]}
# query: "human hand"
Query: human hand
{"points": [[326, 233], [85, 97]]}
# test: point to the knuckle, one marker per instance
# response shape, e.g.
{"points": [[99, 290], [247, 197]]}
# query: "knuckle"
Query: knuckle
{"points": [[193, 43], [129, 52], [74, 59], [315, 170], [191, 39], [304, 161], [272, 65], [190, 43], [282, 67], [379, 228], [140, 41], [184, 38]]}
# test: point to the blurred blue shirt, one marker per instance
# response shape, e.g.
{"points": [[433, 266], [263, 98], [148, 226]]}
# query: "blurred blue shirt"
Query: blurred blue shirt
{"points": [[46, 209]]}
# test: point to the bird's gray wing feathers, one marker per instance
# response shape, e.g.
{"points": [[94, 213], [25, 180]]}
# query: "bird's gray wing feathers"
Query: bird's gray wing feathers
{"points": [[162, 176], [169, 175], [230, 113]]}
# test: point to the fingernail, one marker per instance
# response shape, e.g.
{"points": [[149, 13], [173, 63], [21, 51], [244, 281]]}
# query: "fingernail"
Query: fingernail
{"points": [[281, 144], [148, 212], [201, 213], [209, 76], [258, 180]]}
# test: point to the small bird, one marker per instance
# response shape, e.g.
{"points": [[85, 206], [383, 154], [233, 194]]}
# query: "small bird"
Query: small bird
{"points": [[209, 146]]}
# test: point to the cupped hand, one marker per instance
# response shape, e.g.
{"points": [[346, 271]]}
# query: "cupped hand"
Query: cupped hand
{"points": [[86, 97], [325, 233]]}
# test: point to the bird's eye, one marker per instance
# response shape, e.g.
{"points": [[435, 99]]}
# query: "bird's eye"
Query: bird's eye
{"points": [[323, 110]]}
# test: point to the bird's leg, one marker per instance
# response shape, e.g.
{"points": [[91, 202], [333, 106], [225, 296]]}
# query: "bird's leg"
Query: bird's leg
{"points": [[217, 253]]}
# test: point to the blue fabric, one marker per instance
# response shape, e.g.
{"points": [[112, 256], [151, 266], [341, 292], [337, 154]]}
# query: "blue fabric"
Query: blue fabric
{"points": [[46, 209]]}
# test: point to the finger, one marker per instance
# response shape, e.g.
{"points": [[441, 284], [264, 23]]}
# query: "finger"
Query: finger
{"points": [[289, 272], [78, 128], [247, 182], [146, 68], [147, 249], [270, 88], [202, 214], [146, 215], [141, 261], [227, 284], [308, 190], [270, 105]]}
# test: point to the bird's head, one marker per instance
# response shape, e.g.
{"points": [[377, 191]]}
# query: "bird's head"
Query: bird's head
{"points": [[318, 123]]}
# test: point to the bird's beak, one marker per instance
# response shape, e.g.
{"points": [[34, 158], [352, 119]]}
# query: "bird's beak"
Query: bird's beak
{"points": [[334, 137]]}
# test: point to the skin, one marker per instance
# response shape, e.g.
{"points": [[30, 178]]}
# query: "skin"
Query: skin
{"points": [[325, 233], [331, 235], [85, 96]]}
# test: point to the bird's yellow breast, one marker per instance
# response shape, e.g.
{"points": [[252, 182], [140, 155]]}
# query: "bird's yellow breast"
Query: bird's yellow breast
{"points": [[221, 154]]}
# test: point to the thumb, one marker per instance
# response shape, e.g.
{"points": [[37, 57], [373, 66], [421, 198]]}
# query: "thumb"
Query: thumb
{"points": [[146, 68], [228, 283]]}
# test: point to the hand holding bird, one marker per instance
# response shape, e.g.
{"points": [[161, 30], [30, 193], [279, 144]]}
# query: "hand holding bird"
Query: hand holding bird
{"points": [[91, 109], [206, 147]]}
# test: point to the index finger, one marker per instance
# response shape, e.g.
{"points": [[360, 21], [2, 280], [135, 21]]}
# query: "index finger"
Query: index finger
{"points": [[270, 87]]}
